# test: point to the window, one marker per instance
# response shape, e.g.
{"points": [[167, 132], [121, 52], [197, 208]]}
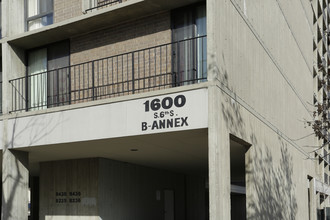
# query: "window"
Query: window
{"points": [[37, 67], [39, 13], [189, 30]]}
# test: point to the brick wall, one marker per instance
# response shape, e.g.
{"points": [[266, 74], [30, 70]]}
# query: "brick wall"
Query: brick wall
{"points": [[115, 75], [64, 9], [138, 34]]}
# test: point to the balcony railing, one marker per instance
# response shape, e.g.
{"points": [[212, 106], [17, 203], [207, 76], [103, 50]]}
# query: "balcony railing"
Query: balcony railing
{"points": [[160, 67], [98, 4]]}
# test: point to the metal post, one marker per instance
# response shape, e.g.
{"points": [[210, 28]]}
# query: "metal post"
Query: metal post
{"points": [[57, 87], [177, 59], [69, 76], [93, 81], [133, 82], [26, 93]]}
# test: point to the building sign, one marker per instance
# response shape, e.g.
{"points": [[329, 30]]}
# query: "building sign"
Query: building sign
{"points": [[164, 113], [178, 111], [68, 197]]}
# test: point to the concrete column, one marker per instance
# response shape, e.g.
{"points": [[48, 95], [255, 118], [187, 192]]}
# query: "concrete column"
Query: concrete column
{"points": [[312, 200], [13, 14], [219, 159], [15, 179], [13, 66]]}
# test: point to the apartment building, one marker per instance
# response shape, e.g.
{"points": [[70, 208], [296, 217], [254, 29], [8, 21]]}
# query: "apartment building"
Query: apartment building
{"points": [[162, 110]]}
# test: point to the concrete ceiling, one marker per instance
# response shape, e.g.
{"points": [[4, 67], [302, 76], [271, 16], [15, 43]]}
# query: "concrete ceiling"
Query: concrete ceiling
{"points": [[184, 151], [93, 21]]}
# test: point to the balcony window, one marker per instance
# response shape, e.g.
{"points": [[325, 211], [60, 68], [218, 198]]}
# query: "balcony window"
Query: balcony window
{"points": [[39, 13], [37, 64], [187, 23]]}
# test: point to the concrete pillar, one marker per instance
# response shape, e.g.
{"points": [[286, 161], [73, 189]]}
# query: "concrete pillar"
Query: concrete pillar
{"points": [[312, 200], [13, 14], [15, 179], [13, 66], [219, 159]]}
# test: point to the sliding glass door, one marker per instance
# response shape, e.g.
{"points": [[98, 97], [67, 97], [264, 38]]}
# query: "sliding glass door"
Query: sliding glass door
{"points": [[58, 74], [189, 53], [37, 79], [48, 76]]}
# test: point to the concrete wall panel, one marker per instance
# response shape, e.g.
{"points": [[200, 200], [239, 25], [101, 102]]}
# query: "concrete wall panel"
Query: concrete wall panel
{"points": [[276, 167], [129, 192], [115, 190], [62, 183], [262, 59]]}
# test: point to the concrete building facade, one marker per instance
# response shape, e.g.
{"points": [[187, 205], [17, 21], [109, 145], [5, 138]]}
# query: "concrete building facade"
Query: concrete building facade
{"points": [[174, 110]]}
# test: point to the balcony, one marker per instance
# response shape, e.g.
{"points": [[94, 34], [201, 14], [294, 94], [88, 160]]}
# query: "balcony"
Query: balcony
{"points": [[164, 66]]}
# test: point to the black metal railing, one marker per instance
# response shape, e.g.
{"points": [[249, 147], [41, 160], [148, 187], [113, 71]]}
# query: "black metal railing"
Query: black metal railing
{"points": [[97, 4], [160, 67]]}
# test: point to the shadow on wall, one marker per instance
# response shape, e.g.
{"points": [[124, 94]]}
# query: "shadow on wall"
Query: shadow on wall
{"points": [[273, 186], [272, 191], [233, 117], [231, 111], [217, 72], [31, 132], [18, 177]]}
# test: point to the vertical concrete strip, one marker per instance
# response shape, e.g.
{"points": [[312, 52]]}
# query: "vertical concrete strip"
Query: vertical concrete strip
{"points": [[15, 179], [312, 201], [219, 159]]}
